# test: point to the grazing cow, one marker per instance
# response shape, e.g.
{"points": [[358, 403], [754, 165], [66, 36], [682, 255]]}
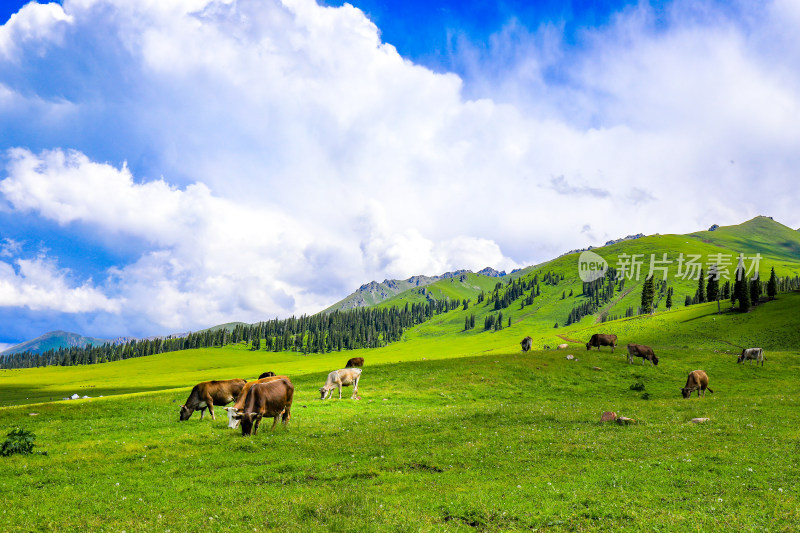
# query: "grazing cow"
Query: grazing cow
{"points": [[645, 352], [238, 405], [355, 362], [266, 375], [526, 343], [697, 381], [562, 346], [753, 354], [341, 378], [599, 339], [208, 393], [270, 399]]}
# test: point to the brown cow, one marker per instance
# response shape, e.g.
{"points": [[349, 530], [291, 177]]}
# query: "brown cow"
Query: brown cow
{"points": [[238, 405], [270, 399], [204, 395], [645, 352], [355, 361], [600, 339], [266, 375], [696, 381]]}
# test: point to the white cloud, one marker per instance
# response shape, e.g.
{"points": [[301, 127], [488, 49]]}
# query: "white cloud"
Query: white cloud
{"points": [[38, 285], [301, 156], [42, 23]]}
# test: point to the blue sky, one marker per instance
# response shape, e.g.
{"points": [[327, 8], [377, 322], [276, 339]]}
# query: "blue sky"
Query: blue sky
{"points": [[173, 165]]}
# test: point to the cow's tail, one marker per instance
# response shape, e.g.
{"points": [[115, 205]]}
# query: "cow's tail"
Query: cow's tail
{"points": [[287, 413], [709, 390]]}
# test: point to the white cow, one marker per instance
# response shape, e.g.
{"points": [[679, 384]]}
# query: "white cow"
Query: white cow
{"points": [[341, 378], [562, 346], [753, 354]]}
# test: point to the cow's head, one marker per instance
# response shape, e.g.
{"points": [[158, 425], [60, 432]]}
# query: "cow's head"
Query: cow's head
{"points": [[740, 358], [687, 393], [655, 359], [233, 422], [247, 420], [185, 413], [323, 391], [588, 345]]}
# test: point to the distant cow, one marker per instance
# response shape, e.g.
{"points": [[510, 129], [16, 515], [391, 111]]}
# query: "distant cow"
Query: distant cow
{"points": [[753, 354], [599, 339], [645, 352], [266, 375], [697, 381], [236, 408], [562, 346], [354, 361], [270, 399], [209, 393], [341, 378], [526, 343]]}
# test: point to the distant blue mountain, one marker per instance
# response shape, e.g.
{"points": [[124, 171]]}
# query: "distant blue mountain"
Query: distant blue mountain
{"points": [[53, 341]]}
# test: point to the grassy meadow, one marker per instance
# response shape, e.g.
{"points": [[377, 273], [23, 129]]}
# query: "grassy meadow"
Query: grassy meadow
{"points": [[455, 431]]}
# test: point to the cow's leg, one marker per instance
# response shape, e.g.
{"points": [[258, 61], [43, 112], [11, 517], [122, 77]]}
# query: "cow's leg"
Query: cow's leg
{"points": [[210, 405], [275, 420], [339, 385], [202, 412]]}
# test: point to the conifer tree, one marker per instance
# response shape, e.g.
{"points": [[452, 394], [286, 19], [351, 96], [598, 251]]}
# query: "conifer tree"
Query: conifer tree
{"points": [[741, 292], [669, 299], [701, 287], [712, 289], [648, 292], [755, 290], [772, 285]]}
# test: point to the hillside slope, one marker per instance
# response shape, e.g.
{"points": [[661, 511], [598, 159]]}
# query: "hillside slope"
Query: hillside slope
{"points": [[374, 293]]}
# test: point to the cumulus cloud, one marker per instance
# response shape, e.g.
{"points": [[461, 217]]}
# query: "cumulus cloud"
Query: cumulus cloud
{"points": [[40, 24], [38, 285], [270, 157]]}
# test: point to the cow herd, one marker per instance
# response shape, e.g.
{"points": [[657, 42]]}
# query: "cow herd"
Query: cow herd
{"points": [[269, 396], [697, 379]]}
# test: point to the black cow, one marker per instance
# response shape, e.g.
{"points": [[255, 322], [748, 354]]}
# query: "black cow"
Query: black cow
{"points": [[526, 343]]}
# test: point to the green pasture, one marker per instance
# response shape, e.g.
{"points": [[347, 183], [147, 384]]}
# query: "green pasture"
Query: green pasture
{"points": [[455, 431]]}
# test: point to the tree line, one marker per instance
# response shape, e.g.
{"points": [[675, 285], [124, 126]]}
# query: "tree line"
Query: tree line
{"points": [[322, 333]]}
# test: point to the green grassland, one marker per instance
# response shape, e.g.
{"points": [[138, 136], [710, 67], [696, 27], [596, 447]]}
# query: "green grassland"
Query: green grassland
{"points": [[455, 430]]}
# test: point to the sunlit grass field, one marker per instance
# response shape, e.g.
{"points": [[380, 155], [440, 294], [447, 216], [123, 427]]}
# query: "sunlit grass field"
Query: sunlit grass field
{"points": [[455, 431]]}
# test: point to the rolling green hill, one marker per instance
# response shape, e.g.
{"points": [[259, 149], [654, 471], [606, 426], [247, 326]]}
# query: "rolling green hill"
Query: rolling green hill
{"points": [[777, 245]]}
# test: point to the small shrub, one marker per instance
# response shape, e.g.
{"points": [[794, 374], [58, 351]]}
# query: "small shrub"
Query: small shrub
{"points": [[646, 396], [638, 386], [19, 441]]}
